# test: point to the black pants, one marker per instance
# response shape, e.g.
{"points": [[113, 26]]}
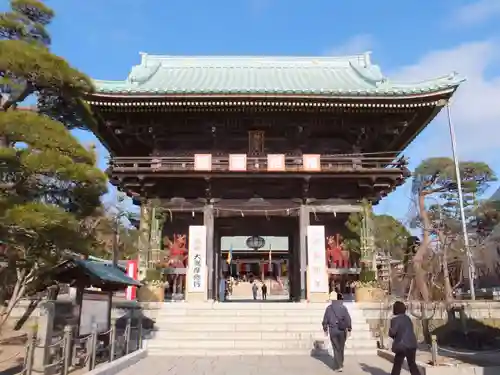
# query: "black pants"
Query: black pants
{"points": [[399, 358], [264, 295], [338, 346]]}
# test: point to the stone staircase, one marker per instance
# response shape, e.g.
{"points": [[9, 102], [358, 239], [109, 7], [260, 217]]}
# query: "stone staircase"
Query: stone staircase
{"points": [[234, 328]]}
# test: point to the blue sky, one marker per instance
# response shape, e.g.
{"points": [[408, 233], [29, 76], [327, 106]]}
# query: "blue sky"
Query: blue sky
{"points": [[411, 40]]}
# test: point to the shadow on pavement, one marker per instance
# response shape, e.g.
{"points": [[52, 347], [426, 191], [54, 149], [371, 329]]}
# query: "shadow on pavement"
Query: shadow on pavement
{"points": [[320, 353], [373, 370], [327, 360]]}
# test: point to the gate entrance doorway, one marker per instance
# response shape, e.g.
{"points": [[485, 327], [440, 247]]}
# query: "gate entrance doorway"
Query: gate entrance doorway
{"points": [[256, 264], [257, 254]]}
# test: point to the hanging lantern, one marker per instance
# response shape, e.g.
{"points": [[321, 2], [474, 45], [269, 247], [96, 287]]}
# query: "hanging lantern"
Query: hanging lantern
{"points": [[255, 242]]}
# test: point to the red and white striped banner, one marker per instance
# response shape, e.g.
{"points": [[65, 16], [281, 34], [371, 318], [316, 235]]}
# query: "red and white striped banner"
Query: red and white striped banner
{"points": [[133, 273]]}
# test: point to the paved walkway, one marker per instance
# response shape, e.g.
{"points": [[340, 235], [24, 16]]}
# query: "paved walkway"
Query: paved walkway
{"points": [[250, 365]]}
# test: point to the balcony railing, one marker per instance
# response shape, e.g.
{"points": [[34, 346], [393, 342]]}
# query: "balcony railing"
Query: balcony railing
{"points": [[242, 163]]}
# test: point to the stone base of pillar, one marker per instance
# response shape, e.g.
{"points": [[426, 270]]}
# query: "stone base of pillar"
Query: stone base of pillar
{"points": [[318, 297], [196, 297]]}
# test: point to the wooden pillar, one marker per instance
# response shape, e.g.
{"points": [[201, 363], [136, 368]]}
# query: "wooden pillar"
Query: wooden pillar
{"points": [[294, 266], [304, 221], [208, 222], [218, 264]]}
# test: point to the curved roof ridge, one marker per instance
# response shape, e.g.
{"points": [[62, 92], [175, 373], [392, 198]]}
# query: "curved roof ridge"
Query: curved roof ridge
{"points": [[451, 78], [253, 60]]}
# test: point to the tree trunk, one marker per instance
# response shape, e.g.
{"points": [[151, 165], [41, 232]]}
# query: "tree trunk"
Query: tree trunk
{"points": [[419, 257], [29, 310], [448, 290], [426, 332], [17, 294]]}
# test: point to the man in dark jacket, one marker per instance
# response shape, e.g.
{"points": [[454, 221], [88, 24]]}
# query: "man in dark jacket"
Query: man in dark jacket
{"points": [[263, 289], [404, 343], [337, 324]]}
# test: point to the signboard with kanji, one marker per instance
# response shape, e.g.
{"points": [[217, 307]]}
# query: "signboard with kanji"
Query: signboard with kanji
{"points": [[197, 262]]}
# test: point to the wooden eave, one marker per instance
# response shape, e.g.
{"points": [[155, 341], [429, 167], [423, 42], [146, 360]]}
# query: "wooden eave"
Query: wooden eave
{"points": [[292, 100]]}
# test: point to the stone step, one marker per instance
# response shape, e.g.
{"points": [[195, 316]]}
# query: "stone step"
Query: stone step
{"points": [[289, 306], [252, 344], [207, 327], [256, 312], [248, 352], [282, 308], [249, 335], [227, 311], [246, 320]]}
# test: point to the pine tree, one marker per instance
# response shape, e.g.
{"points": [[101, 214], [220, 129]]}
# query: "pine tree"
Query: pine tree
{"points": [[49, 182], [435, 180]]}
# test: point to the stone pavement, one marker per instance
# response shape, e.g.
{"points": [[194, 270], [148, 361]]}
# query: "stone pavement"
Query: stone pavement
{"points": [[253, 365]]}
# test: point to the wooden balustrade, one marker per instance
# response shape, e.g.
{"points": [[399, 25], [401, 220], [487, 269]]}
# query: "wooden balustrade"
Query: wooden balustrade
{"points": [[241, 162]]}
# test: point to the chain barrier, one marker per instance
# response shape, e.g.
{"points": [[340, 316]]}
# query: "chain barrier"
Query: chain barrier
{"points": [[70, 353]]}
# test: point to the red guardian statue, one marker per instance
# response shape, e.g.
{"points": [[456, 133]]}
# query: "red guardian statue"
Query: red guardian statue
{"points": [[336, 256], [177, 252]]}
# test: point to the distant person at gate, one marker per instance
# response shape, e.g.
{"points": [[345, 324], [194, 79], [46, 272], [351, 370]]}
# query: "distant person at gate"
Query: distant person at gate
{"points": [[337, 324], [255, 289], [404, 344], [264, 291]]}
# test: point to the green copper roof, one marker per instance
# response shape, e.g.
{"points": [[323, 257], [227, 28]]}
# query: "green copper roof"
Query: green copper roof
{"points": [[324, 76]]}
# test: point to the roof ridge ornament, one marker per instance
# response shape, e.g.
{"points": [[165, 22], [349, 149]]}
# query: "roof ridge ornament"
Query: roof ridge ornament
{"points": [[367, 57], [144, 58], [142, 73], [383, 82]]}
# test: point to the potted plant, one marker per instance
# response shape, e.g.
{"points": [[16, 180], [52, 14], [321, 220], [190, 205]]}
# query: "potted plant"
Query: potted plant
{"points": [[153, 289], [367, 287]]}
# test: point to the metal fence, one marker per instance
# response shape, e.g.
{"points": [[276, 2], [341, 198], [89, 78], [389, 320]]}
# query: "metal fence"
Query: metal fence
{"points": [[68, 353]]}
